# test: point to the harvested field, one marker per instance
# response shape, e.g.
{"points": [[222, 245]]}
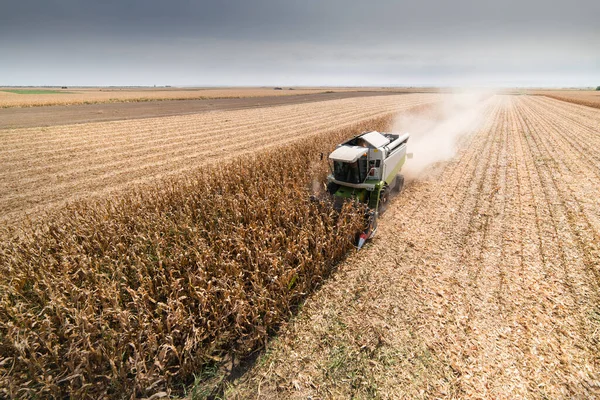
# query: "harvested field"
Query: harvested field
{"points": [[11, 97], [590, 98], [8, 97], [31, 117], [43, 168], [483, 281]]}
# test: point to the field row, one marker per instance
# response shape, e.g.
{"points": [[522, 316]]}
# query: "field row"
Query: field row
{"points": [[41, 168], [484, 281]]}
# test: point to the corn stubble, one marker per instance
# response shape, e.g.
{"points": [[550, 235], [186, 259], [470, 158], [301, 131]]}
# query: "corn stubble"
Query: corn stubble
{"points": [[583, 97], [134, 295]]}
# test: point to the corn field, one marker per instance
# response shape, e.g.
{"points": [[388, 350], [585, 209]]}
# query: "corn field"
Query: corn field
{"points": [[135, 294]]}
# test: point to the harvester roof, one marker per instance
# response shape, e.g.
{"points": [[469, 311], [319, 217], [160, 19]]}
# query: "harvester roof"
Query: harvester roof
{"points": [[356, 147], [375, 139], [347, 153]]}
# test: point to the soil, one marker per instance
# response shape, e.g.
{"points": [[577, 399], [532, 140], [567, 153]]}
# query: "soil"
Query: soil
{"points": [[27, 117]]}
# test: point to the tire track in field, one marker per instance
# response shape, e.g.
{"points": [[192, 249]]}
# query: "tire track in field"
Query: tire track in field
{"points": [[416, 295], [450, 302], [420, 295]]}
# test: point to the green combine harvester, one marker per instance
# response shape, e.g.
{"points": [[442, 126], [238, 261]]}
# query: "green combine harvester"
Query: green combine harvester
{"points": [[366, 169]]}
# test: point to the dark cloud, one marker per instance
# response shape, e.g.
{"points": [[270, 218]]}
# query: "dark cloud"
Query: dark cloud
{"points": [[298, 42]]}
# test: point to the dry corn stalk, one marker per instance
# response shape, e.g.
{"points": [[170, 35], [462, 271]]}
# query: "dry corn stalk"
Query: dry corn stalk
{"points": [[135, 294]]}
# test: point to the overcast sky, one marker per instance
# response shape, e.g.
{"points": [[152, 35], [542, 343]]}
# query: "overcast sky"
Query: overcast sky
{"points": [[300, 42]]}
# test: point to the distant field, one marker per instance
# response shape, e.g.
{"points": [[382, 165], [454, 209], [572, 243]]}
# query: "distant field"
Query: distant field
{"points": [[30, 117], [590, 98], [34, 91], [12, 97]]}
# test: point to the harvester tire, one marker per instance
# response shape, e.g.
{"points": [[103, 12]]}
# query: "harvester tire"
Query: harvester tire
{"points": [[384, 198], [332, 187], [399, 183]]}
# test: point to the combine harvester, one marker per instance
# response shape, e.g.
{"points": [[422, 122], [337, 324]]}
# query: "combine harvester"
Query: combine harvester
{"points": [[366, 169]]}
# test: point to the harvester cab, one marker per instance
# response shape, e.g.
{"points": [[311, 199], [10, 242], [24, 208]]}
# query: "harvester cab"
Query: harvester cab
{"points": [[366, 169]]}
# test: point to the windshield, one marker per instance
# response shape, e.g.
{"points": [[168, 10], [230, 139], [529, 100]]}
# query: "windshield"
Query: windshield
{"points": [[355, 172]]}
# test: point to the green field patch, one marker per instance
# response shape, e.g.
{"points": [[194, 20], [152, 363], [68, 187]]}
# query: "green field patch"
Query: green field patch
{"points": [[35, 91]]}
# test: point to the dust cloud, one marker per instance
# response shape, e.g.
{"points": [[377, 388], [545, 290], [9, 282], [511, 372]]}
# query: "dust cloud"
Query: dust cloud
{"points": [[435, 132]]}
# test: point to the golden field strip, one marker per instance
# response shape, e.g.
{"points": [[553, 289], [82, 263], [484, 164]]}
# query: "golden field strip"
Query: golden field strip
{"points": [[106, 95], [590, 98], [42, 168], [483, 282], [71, 96]]}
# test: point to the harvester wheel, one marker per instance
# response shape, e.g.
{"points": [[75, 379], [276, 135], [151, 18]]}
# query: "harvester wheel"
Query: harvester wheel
{"points": [[384, 197], [332, 187], [399, 183]]}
